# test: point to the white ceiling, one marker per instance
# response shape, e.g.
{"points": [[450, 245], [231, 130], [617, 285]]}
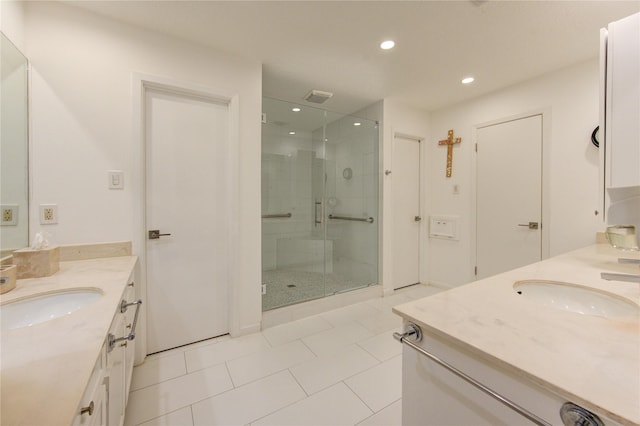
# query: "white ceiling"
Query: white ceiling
{"points": [[333, 45]]}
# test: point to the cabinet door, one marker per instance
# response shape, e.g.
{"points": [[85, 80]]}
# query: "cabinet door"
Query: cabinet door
{"points": [[92, 408], [433, 396], [130, 347], [623, 103], [116, 373]]}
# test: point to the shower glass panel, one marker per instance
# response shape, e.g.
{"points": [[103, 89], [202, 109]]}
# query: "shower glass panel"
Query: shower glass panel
{"points": [[319, 203]]}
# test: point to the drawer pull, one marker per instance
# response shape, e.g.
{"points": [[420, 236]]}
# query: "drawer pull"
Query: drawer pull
{"points": [[88, 409]]}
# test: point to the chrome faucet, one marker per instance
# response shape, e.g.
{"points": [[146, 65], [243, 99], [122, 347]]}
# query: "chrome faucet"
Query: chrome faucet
{"points": [[612, 276]]}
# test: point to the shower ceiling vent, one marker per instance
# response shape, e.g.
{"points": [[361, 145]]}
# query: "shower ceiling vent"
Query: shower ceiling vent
{"points": [[317, 96]]}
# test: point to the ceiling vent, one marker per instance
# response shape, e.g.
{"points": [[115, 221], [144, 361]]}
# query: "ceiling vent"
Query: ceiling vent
{"points": [[317, 96]]}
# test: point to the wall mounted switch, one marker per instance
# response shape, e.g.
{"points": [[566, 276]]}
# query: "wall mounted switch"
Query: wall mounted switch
{"points": [[116, 179], [48, 214], [9, 215]]}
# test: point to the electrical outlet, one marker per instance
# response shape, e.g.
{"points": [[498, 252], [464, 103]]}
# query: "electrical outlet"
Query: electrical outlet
{"points": [[9, 215], [48, 214], [264, 289]]}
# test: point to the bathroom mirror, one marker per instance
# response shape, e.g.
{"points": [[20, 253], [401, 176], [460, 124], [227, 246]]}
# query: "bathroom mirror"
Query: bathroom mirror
{"points": [[14, 151]]}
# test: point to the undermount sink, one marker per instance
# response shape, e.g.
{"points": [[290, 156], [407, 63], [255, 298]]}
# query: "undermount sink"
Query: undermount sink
{"points": [[41, 308], [575, 298]]}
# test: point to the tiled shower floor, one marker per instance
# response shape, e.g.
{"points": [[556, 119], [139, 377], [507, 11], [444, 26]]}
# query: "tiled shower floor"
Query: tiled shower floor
{"points": [[286, 287]]}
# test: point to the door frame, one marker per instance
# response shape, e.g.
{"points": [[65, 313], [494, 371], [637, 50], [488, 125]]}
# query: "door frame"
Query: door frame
{"points": [[140, 84], [422, 189], [546, 181]]}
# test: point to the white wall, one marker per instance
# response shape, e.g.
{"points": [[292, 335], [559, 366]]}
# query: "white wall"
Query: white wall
{"points": [[399, 118], [82, 126], [571, 96], [12, 21]]}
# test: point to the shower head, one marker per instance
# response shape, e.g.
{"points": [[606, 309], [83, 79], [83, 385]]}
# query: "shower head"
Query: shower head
{"points": [[317, 96]]}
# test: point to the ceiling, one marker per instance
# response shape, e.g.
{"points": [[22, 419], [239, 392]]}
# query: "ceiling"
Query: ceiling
{"points": [[333, 45]]}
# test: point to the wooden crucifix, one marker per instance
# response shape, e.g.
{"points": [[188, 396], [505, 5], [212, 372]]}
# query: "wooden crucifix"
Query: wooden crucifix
{"points": [[450, 141]]}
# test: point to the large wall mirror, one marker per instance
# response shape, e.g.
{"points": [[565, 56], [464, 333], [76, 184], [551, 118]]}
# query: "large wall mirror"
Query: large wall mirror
{"points": [[14, 149]]}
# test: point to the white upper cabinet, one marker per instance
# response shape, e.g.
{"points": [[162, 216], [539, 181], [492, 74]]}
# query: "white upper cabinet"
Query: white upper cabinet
{"points": [[620, 105]]}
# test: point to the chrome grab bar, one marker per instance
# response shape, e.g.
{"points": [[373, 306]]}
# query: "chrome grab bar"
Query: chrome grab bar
{"points": [[413, 334], [132, 335], [356, 219], [274, 216]]}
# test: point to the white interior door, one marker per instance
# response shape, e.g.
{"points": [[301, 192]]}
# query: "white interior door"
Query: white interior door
{"points": [[509, 195], [406, 212], [186, 189]]}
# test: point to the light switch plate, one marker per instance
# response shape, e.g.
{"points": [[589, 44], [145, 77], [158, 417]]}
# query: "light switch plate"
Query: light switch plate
{"points": [[116, 179]]}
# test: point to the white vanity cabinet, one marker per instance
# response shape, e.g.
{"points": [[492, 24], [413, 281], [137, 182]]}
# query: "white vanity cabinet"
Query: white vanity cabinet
{"points": [[105, 398], [116, 372], [130, 347], [433, 395], [120, 348], [620, 102], [92, 410]]}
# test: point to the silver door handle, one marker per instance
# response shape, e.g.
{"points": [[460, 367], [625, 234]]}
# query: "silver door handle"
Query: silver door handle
{"points": [[155, 234], [530, 225]]}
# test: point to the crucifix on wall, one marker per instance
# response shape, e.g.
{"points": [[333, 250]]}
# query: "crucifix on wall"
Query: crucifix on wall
{"points": [[450, 141]]}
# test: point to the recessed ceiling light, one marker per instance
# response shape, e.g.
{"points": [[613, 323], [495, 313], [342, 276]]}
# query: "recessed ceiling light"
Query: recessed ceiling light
{"points": [[357, 123], [296, 109], [467, 80], [292, 133], [387, 44]]}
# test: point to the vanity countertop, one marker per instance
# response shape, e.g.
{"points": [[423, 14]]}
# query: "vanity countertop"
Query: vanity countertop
{"points": [[46, 367], [592, 360]]}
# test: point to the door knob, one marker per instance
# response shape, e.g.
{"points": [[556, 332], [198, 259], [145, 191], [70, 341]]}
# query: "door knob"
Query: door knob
{"points": [[155, 234], [530, 225], [417, 218]]}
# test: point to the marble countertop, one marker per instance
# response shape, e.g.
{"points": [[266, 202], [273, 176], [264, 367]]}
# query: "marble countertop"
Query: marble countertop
{"points": [[46, 367], [593, 361]]}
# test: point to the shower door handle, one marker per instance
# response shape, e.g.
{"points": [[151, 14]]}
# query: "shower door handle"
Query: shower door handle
{"points": [[318, 213]]}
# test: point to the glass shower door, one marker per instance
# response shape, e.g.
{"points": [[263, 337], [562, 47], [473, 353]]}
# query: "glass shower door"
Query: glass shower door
{"points": [[319, 203], [293, 263], [351, 200]]}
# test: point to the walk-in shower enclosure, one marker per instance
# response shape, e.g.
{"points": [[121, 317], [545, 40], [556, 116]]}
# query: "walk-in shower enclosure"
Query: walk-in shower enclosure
{"points": [[319, 203]]}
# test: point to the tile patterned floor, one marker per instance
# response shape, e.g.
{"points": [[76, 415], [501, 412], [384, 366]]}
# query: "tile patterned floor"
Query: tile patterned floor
{"points": [[340, 367]]}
